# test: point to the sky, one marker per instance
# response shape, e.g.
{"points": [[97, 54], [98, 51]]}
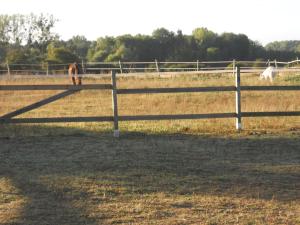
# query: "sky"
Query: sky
{"points": [[261, 20]]}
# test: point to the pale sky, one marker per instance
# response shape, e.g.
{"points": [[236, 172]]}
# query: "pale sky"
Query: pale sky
{"points": [[260, 20]]}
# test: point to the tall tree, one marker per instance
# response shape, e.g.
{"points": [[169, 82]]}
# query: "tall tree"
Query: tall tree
{"points": [[27, 29], [288, 46], [165, 41], [100, 49], [234, 46], [57, 53], [79, 45]]}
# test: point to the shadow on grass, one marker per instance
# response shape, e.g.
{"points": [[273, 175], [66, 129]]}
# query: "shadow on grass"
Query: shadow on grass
{"points": [[64, 176]]}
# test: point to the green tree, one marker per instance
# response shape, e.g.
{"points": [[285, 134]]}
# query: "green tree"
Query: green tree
{"points": [[165, 41], [28, 34], [213, 53], [20, 29], [204, 39], [100, 49], [288, 46], [256, 51], [3, 51], [60, 54], [203, 36], [79, 45], [234, 46], [184, 48], [4, 29], [16, 56]]}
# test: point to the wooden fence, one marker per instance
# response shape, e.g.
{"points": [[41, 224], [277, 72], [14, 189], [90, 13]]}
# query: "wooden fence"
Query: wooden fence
{"points": [[129, 67], [115, 118]]}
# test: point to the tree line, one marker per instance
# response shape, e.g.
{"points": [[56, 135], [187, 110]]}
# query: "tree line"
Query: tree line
{"points": [[30, 39]]}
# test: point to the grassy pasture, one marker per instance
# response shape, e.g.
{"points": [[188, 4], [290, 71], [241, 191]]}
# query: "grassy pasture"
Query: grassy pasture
{"points": [[167, 172]]}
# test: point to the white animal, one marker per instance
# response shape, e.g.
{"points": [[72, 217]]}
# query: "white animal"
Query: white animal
{"points": [[270, 73]]}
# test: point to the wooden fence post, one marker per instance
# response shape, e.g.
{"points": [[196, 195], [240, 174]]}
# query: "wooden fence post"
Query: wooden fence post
{"points": [[83, 67], [157, 66], [238, 120], [120, 65], [47, 72], [8, 69], [233, 67], [115, 103], [197, 65]]}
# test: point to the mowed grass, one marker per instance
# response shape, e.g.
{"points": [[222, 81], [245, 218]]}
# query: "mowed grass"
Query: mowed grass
{"points": [[166, 172]]}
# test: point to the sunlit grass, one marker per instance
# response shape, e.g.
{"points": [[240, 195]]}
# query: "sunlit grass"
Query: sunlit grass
{"points": [[11, 201]]}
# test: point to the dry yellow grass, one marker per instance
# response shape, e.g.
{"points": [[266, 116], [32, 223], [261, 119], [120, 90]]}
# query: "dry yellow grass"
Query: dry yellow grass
{"points": [[166, 172]]}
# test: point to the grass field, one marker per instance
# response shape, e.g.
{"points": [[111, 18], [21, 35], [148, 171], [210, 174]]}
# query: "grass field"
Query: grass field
{"points": [[167, 172]]}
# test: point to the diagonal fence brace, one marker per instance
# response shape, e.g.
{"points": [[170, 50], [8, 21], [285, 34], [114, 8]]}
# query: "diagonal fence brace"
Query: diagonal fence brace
{"points": [[38, 104]]}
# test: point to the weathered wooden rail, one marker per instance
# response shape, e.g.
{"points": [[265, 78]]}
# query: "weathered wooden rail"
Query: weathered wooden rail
{"points": [[115, 118]]}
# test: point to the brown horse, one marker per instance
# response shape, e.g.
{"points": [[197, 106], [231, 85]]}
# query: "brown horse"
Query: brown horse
{"points": [[75, 72]]}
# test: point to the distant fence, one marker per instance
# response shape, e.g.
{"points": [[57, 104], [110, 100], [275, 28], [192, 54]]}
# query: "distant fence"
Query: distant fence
{"points": [[115, 118], [129, 67]]}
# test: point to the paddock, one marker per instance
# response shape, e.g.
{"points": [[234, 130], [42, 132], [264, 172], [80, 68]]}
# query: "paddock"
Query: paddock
{"points": [[171, 167], [117, 91]]}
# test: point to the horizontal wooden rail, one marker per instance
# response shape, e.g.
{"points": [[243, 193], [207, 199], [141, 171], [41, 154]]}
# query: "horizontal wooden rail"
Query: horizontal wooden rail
{"points": [[269, 114], [270, 88], [54, 87], [58, 119], [177, 117], [118, 68], [145, 117], [174, 90]]}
